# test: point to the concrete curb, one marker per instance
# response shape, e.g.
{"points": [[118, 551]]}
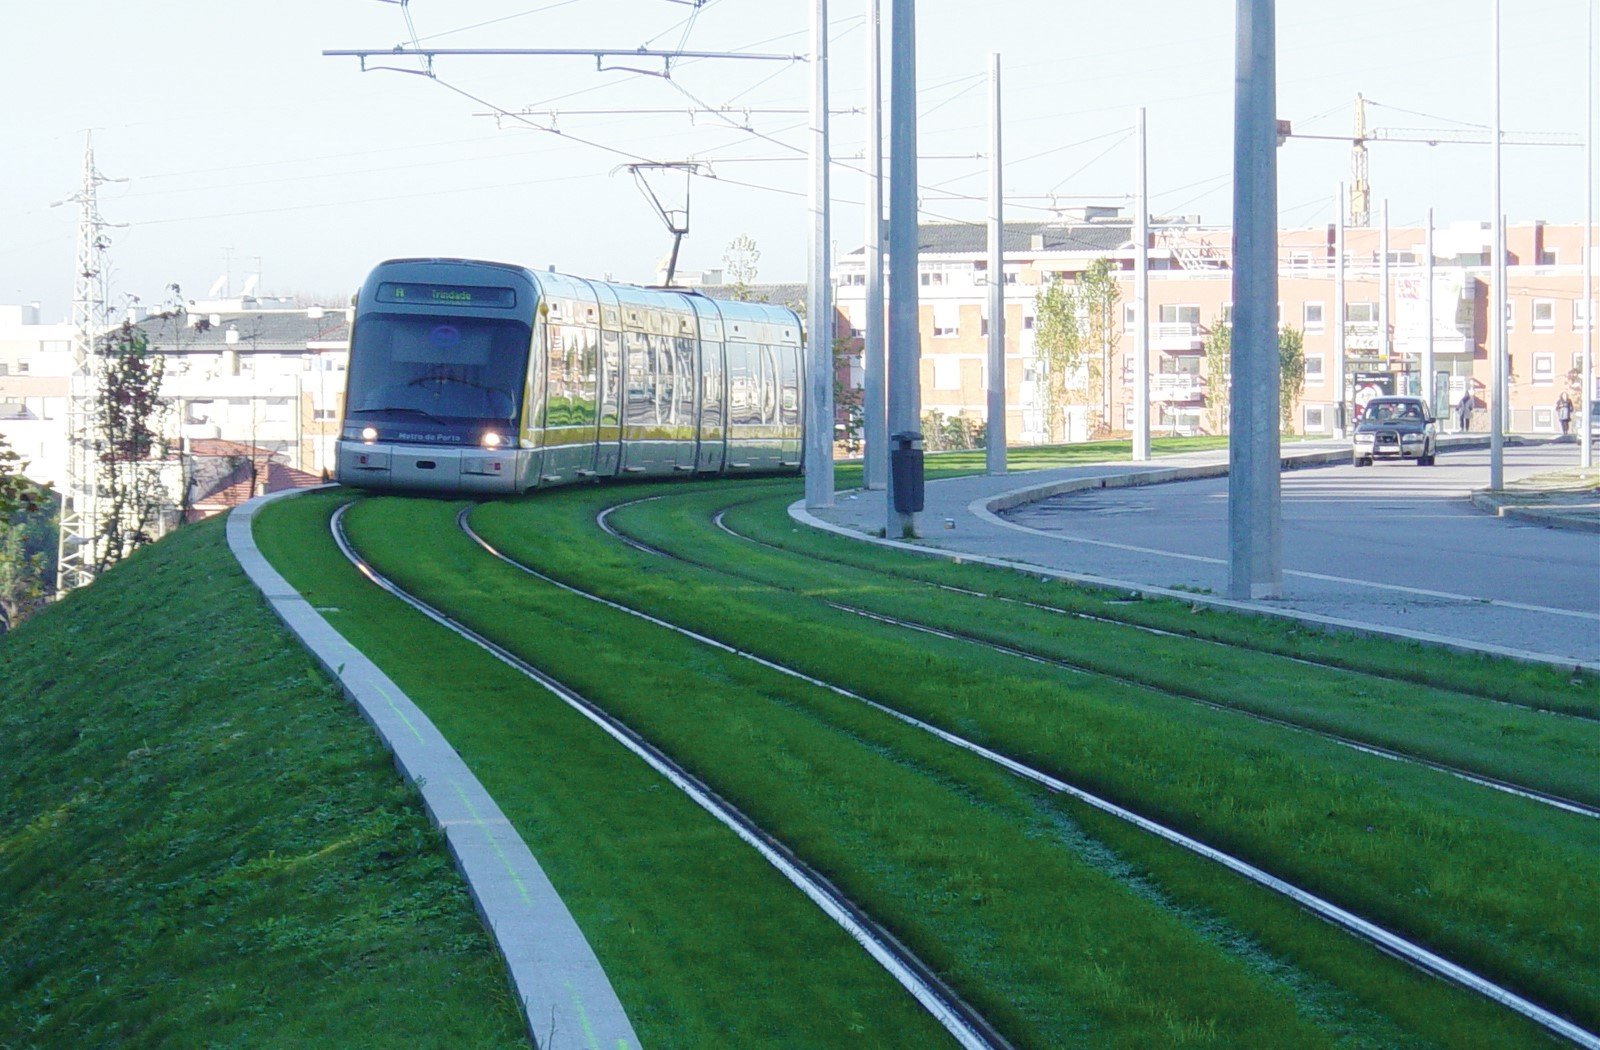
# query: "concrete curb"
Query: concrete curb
{"points": [[566, 999], [1551, 517]]}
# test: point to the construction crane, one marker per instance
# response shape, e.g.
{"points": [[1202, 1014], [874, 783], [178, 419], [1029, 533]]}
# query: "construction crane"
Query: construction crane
{"points": [[1361, 187]]}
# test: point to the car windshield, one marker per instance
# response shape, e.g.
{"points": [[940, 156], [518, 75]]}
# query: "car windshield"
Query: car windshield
{"points": [[1394, 412], [444, 369]]}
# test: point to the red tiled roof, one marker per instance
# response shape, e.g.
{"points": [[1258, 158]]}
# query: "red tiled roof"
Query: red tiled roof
{"points": [[236, 488], [223, 449]]}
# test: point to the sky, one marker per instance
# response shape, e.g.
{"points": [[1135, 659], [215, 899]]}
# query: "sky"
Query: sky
{"points": [[245, 150]]}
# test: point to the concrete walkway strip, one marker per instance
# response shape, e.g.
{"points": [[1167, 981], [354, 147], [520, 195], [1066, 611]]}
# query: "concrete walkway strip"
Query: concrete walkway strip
{"points": [[566, 999]]}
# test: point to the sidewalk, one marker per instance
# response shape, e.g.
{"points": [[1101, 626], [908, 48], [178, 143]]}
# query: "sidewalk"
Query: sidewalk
{"points": [[962, 519]]}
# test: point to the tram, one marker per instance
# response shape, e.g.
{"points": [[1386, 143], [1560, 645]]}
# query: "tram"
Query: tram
{"points": [[470, 377]]}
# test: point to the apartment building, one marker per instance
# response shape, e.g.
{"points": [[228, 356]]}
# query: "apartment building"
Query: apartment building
{"points": [[271, 379], [1385, 317]]}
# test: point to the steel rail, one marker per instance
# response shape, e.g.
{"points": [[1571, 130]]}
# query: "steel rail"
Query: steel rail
{"points": [[1509, 787], [968, 1027], [1159, 631], [1380, 937]]}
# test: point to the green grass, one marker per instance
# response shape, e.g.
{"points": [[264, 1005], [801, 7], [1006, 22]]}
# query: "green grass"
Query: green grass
{"points": [[705, 943], [970, 867], [1497, 883], [1558, 755], [201, 843]]}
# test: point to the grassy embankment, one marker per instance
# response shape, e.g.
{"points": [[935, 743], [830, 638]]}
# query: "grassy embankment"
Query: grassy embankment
{"points": [[1461, 867], [201, 843], [970, 869]]}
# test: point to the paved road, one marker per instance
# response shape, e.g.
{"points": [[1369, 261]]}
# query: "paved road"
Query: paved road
{"points": [[1392, 546], [1393, 543]]}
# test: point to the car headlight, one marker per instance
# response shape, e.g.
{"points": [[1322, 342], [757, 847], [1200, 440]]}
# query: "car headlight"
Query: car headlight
{"points": [[369, 434], [1363, 439], [491, 439]]}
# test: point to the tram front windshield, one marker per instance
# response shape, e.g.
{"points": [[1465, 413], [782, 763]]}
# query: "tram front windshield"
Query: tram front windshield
{"points": [[448, 377]]}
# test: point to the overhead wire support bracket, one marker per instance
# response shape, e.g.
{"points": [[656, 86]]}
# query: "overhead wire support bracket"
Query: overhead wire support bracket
{"points": [[598, 54]]}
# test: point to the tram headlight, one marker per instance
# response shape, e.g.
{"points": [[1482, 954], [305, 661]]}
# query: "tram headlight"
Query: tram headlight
{"points": [[491, 439], [369, 434]]}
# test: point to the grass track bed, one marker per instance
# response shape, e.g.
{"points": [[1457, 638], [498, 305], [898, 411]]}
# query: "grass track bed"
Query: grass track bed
{"points": [[958, 865], [705, 944], [1555, 755], [549, 531], [1473, 874], [201, 843]]}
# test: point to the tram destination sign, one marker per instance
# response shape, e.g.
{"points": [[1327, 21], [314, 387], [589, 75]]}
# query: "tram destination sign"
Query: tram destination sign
{"points": [[445, 294]]}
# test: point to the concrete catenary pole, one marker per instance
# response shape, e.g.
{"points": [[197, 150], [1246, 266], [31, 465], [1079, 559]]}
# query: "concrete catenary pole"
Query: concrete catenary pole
{"points": [[1383, 287], [1255, 542], [875, 428], [1141, 308], [1426, 364], [905, 350], [1586, 419], [1339, 407], [1497, 292], [819, 297], [995, 442]]}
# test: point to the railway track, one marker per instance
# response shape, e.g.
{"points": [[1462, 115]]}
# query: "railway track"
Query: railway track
{"points": [[964, 1023], [1505, 786], [1547, 798], [1385, 940]]}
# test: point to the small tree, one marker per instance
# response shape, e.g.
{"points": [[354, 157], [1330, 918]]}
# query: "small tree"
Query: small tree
{"points": [[133, 496], [1291, 372], [847, 399], [1073, 331], [741, 261], [1219, 379], [25, 536]]}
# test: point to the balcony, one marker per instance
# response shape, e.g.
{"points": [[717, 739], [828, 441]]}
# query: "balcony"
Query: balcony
{"points": [[1175, 387], [1177, 337]]}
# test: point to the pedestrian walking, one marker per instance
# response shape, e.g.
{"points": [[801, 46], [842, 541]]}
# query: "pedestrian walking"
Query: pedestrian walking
{"points": [[1564, 413], [1464, 413]]}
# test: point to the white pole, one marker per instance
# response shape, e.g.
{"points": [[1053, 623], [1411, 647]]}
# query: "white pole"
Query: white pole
{"points": [[1426, 364], [819, 299], [1497, 293], [1383, 288], [995, 444], [1255, 523], [905, 348], [875, 465], [1586, 418], [1339, 407], [1141, 309]]}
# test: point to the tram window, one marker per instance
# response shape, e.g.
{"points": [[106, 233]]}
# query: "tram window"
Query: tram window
{"points": [[641, 381], [769, 387], [711, 397], [743, 385], [684, 402], [610, 387], [665, 380], [445, 367], [789, 400]]}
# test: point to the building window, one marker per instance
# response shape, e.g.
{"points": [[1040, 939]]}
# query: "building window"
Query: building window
{"points": [[1544, 419], [23, 368], [1027, 322], [1130, 316], [946, 373], [1312, 414], [1313, 317], [932, 279], [1580, 315], [1544, 315], [1397, 258], [1227, 313], [1010, 278], [325, 415], [1511, 315], [946, 320], [1175, 314], [1313, 368], [1544, 368], [1547, 257], [1360, 313], [1577, 362], [1300, 260], [1127, 417]]}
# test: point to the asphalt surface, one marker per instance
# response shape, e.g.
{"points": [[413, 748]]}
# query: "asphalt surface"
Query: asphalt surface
{"points": [[1392, 546]]}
